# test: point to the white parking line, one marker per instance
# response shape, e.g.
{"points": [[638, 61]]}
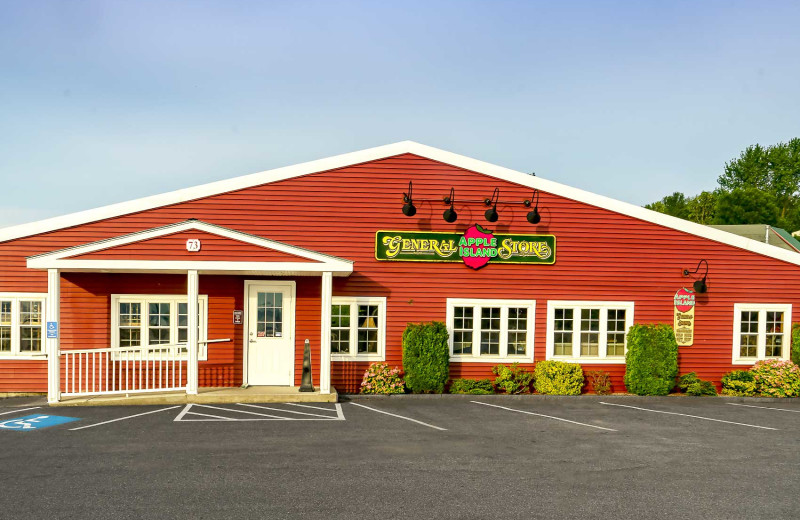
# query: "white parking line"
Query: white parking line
{"points": [[764, 407], [339, 412], [123, 418], [547, 416], [687, 415], [21, 410], [400, 417], [329, 417]]}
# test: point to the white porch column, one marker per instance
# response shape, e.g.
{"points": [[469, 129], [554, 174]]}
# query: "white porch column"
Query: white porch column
{"points": [[325, 338], [192, 288], [52, 313]]}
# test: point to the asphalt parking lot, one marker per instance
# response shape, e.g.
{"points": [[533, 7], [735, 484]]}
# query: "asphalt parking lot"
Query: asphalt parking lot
{"points": [[471, 457]]}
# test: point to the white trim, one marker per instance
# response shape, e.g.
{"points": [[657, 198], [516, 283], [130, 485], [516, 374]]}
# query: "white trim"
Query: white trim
{"points": [[246, 320], [477, 304], [390, 150], [326, 297], [192, 326], [576, 306], [175, 299], [762, 309], [15, 298], [52, 313], [354, 302], [62, 259]]}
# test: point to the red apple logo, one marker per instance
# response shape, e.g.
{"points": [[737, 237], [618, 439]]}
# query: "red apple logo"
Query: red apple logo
{"points": [[480, 242]]}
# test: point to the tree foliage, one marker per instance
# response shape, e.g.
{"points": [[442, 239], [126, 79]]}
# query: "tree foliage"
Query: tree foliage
{"points": [[761, 186]]}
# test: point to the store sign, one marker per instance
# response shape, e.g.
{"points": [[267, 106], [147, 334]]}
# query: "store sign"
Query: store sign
{"points": [[476, 247], [684, 317]]}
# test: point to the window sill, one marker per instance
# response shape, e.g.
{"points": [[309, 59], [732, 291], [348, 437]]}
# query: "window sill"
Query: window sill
{"points": [[753, 361], [23, 357], [589, 360], [361, 358], [455, 358]]}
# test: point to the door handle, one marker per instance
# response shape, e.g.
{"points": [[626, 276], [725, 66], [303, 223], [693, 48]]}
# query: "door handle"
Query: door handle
{"points": [[252, 341]]}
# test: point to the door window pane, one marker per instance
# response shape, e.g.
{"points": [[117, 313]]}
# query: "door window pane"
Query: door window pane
{"points": [[269, 321]]}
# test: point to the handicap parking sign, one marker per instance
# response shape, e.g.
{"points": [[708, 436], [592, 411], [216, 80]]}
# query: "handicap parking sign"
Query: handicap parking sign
{"points": [[34, 422], [52, 330]]}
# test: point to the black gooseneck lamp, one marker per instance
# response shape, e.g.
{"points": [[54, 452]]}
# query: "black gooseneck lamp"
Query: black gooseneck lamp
{"points": [[533, 216], [409, 209], [491, 213], [700, 286], [450, 214]]}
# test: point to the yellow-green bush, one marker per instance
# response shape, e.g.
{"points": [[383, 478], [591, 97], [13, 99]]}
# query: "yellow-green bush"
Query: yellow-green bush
{"points": [[558, 378]]}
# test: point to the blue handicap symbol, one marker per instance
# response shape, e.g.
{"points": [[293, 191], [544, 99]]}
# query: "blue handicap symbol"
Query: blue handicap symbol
{"points": [[34, 422], [52, 330]]}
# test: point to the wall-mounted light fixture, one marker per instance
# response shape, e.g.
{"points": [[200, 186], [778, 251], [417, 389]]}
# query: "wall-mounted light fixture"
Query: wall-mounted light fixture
{"points": [[450, 214], [491, 213], [699, 285], [409, 209], [533, 216]]}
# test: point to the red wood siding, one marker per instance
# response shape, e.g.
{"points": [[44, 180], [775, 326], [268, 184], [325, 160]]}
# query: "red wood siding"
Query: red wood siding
{"points": [[173, 247], [601, 255]]}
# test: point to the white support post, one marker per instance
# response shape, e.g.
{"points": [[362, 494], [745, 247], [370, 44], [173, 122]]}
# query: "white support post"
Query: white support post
{"points": [[52, 347], [192, 340], [325, 339]]}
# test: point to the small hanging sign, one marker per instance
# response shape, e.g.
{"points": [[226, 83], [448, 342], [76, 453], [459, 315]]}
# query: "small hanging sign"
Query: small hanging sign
{"points": [[684, 317], [238, 317]]}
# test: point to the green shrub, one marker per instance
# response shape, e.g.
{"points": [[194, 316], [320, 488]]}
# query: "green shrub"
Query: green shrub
{"points": [[512, 379], [558, 378], [795, 351], [776, 378], [380, 379], [600, 381], [426, 358], [651, 363], [701, 387], [739, 382], [687, 380], [471, 386]]}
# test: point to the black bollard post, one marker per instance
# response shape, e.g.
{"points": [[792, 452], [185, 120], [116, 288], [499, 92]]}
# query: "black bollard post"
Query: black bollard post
{"points": [[306, 385]]}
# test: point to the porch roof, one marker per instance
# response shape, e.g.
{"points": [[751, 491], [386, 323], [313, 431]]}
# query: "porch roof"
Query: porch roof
{"points": [[213, 250]]}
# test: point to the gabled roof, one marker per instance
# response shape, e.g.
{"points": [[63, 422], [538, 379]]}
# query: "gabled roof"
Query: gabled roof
{"points": [[383, 152], [261, 255], [763, 233]]}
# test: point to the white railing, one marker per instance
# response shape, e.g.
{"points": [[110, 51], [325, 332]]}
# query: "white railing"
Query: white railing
{"points": [[128, 370]]}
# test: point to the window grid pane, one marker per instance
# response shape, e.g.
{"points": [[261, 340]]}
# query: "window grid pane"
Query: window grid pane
{"points": [[269, 320], [462, 330], [30, 331], [517, 330], [774, 329], [340, 329], [562, 326], [367, 329], [490, 331], [5, 326], [159, 324], [748, 338], [615, 332]]}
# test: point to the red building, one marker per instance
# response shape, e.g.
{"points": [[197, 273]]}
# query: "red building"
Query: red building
{"points": [[221, 284]]}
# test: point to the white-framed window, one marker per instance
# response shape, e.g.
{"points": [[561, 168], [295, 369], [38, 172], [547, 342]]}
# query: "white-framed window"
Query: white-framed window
{"points": [[151, 320], [488, 331], [588, 331], [761, 331], [22, 323], [358, 328]]}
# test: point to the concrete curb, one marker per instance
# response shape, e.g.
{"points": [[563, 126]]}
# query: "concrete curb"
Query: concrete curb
{"points": [[573, 398]]}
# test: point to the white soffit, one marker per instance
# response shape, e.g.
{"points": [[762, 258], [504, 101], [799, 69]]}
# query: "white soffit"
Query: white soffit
{"points": [[382, 152]]}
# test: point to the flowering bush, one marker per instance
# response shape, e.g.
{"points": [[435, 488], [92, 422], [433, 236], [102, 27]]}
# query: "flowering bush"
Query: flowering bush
{"points": [[776, 378], [380, 379]]}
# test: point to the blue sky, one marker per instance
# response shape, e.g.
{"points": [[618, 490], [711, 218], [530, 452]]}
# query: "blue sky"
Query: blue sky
{"points": [[102, 102]]}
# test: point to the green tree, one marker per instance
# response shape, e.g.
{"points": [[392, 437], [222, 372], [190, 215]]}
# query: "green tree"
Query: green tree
{"points": [[746, 206], [702, 207], [675, 205]]}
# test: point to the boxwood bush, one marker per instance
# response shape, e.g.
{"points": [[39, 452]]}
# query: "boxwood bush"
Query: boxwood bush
{"points": [[795, 350], [701, 387], [739, 382], [558, 378], [512, 379], [471, 386], [651, 363], [426, 358]]}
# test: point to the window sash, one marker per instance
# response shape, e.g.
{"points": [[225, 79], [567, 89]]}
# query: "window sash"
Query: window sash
{"points": [[593, 332], [761, 331], [22, 323], [490, 330], [358, 328]]}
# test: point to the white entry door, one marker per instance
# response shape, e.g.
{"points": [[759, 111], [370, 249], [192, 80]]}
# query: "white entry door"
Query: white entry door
{"points": [[270, 334]]}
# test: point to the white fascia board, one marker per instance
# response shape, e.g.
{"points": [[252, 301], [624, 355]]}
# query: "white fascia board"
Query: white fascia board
{"points": [[145, 266], [382, 152], [170, 229]]}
